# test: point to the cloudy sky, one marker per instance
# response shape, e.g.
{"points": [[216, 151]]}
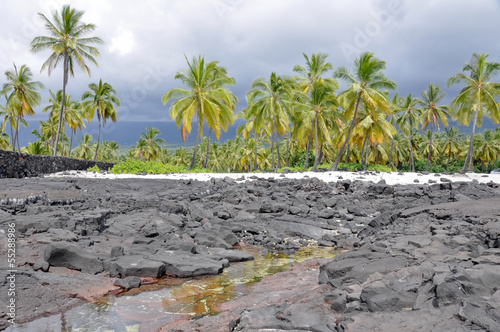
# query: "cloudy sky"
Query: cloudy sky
{"points": [[145, 42]]}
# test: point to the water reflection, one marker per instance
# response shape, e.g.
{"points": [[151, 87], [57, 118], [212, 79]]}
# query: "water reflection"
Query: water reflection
{"points": [[153, 306]]}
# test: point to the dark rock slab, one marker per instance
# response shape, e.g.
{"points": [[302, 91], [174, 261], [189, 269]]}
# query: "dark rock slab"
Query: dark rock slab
{"points": [[135, 265], [66, 255], [183, 264]]}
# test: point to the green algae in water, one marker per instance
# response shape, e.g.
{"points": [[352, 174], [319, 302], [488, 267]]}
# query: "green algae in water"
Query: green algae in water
{"points": [[172, 297], [201, 296]]}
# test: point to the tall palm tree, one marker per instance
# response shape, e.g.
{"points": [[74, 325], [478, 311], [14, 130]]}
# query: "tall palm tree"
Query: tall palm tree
{"points": [[22, 95], [206, 98], [408, 120], [270, 100], [100, 99], [477, 97], [432, 114], [315, 68], [69, 43], [363, 88], [319, 116], [72, 116]]}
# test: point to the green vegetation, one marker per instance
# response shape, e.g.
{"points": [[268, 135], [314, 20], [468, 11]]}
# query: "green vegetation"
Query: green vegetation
{"points": [[152, 167], [94, 168], [301, 122]]}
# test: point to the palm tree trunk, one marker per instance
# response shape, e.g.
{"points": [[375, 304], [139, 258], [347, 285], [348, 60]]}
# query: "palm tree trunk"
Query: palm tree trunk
{"points": [[278, 156], [65, 81], [193, 160], [412, 165], [308, 149], [205, 164], [12, 137], [429, 154], [98, 134], [272, 150], [392, 150], [316, 157], [469, 158], [363, 152], [255, 148], [347, 154], [448, 162], [288, 152], [341, 152], [367, 154], [70, 144], [321, 150], [16, 138]]}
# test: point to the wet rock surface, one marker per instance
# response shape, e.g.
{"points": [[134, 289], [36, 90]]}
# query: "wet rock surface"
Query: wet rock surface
{"points": [[420, 256]]}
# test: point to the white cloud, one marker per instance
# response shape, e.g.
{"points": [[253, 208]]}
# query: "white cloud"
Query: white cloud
{"points": [[123, 43]]}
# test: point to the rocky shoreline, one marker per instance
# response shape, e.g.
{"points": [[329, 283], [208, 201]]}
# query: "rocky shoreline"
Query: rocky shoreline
{"points": [[420, 256]]}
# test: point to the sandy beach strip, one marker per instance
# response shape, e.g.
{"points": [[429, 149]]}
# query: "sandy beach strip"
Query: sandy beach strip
{"points": [[391, 178]]}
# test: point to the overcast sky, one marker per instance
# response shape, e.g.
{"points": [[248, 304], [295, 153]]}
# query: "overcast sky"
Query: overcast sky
{"points": [[145, 42]]}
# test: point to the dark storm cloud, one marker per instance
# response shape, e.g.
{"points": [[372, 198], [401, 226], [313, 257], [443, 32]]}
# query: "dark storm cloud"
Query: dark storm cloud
{"points": [[422, 42]]}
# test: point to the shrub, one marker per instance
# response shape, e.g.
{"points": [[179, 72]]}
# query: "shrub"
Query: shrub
{"points": [[152, 167], [94, 168]]}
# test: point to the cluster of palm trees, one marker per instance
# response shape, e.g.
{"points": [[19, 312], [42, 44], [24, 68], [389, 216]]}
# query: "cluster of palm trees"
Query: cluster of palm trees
{"points": [[70, 45], [302, 120], [356, 124]]}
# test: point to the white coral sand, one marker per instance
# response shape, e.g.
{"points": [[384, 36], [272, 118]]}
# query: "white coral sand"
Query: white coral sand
{"points": [[390, 178]]}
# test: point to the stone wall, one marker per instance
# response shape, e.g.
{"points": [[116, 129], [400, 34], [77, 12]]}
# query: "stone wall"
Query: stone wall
{"points": [[20, 165]]}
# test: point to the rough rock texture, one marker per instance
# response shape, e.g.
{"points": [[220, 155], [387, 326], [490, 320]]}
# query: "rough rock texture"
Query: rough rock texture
{"points": [[421, 256], [19, 165]]}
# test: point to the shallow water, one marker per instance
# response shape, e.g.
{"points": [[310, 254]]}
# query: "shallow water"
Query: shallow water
{"points": [[152, 306]]}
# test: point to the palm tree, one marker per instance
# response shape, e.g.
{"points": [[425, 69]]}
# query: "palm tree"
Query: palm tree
{"points": [[100, 99], [69, 44], [22, 96], [250, 127], [4, 140], [306, 120], [8, 117], [432, 114], [75, 120], [270, 100], [409, 120], [452, 143], [109, 151], [206, 98], [428, 146], [477, 98], [486, 148], [84, 149], [315, 68], [37, 147], [72, 116], [374, 127], [149, 144], [319, 116], [363, 89]]}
